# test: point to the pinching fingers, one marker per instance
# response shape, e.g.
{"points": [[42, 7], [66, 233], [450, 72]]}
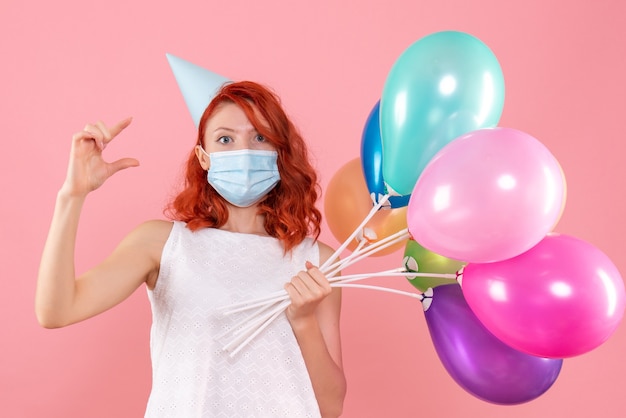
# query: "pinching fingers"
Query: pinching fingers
{"points": [[94, 132], [320, 278]]}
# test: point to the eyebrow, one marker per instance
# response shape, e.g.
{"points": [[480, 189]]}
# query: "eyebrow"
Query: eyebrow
{"points": [[223, 128]]}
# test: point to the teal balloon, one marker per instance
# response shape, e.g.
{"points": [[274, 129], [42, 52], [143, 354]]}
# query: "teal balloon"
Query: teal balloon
{"points": [[442, 86]]}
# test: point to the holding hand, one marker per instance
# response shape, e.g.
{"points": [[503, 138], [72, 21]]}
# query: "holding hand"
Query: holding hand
{"points": [[87, 169], [306, 290]]}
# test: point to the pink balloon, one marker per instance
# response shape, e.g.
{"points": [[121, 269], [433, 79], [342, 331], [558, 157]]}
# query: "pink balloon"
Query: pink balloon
{"points": [[488, 195], [562, 298]]}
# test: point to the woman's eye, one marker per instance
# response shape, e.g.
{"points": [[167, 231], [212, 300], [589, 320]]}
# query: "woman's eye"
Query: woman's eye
{"points": [[259, 138], [224, 139]]}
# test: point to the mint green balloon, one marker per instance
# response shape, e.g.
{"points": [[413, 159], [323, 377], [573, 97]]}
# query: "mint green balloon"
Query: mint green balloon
{"points": [[441, 87]]}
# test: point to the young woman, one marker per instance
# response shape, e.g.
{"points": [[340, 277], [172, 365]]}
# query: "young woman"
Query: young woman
{"points": [[244, 226]]}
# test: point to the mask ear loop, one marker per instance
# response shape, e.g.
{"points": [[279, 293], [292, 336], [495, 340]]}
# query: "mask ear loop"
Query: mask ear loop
{"points": [[201, 148]]}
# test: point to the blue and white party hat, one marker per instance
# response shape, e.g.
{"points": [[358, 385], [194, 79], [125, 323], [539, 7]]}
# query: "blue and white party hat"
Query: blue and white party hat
{"points": [[197, 85]]}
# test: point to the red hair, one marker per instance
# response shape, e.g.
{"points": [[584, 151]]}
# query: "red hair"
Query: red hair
{"points": [[289, 208]]}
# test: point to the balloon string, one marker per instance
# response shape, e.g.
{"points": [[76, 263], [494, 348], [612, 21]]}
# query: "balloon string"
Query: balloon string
{"points": [[369, 250], [362, 276], [283, 295], [264, 301], [254, 303], [258, 331], [338, 266], [248, 326], [385, 242], [264, 306], [272, 297], [249, 329], [379, 288], [358, 229], [335, 268], [263, 321], [400, 272], [363, 242], [262, 317], [244, 331]]}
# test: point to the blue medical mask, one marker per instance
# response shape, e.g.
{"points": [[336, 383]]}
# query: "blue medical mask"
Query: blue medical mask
{"points": [[243, 177]]}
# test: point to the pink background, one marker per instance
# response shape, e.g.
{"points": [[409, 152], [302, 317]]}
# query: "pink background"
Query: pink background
{"points": [[68, 62]]}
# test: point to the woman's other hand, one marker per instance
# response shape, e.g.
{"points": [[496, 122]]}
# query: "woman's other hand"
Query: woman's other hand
{"points": [[87, 169]]}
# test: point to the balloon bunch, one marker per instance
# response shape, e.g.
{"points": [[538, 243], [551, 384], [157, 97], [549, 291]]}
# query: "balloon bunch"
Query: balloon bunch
{"points": [[505, 298]]}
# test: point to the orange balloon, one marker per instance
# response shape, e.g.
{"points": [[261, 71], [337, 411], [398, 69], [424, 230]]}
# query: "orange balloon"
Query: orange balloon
{"points": [[347, 202]]}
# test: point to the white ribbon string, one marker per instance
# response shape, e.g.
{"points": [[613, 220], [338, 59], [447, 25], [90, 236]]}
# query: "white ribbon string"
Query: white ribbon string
{"points": [[245, 337], [379, 288], [358, 229]]}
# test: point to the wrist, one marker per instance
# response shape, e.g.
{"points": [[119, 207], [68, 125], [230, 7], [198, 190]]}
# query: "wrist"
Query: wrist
{"points": [[303, 323], [66, 193]]}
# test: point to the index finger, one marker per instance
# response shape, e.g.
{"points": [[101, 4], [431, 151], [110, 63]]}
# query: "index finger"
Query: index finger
{"points": [[119, 127], [317, 275]]}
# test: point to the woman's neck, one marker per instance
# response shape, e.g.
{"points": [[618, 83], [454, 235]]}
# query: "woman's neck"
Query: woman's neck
{"points": [[245, 221]]}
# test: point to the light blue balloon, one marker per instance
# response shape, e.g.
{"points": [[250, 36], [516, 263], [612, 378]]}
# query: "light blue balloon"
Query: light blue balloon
{"points": [[197, 85], [441, 87]]}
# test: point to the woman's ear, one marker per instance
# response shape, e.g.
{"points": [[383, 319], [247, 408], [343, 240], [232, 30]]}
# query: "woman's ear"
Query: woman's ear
{"points": [[202, 156]]}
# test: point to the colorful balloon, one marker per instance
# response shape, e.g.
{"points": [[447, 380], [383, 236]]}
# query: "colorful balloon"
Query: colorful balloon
{"points": [[442, 86], [419, 259], [479, 362], [561, 298], [372, 160], [487, 196], [347, 203]]}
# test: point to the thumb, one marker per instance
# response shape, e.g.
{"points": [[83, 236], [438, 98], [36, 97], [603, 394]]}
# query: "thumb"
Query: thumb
{"points": [[122, 164]]}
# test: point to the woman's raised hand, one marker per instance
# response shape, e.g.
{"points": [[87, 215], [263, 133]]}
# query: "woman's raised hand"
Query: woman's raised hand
{"points": [[87, 169]]}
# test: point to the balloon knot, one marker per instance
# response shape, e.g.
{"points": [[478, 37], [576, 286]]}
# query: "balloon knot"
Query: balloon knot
{"points": [[427, 298], [367, 234], [459, 276], [410, 266]]}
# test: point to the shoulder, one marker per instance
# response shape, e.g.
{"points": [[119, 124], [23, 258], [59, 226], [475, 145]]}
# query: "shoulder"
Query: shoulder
{"points": [[325, 251], [154, 229], [150, 235]]}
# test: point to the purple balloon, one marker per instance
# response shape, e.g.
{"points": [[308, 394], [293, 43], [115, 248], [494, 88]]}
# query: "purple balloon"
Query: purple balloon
{"points": [[478, 361]]}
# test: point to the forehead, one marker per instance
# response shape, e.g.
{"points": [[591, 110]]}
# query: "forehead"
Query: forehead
{"points": [[228, 113], [229, 118]]}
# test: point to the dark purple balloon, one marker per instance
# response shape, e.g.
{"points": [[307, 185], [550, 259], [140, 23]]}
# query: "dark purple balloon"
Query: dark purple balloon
{"points": [[478, 361]]}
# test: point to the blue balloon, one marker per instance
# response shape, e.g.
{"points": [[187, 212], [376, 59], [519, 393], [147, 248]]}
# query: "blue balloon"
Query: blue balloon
{"points": [[372, 160], [478, 361]]}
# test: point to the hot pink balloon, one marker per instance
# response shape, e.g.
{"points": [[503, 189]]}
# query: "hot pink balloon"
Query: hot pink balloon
{"points": [[562, 298], [488, 195]]}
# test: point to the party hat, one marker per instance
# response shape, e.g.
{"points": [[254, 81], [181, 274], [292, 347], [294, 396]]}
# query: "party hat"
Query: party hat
{"points": [[197, 85]]}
